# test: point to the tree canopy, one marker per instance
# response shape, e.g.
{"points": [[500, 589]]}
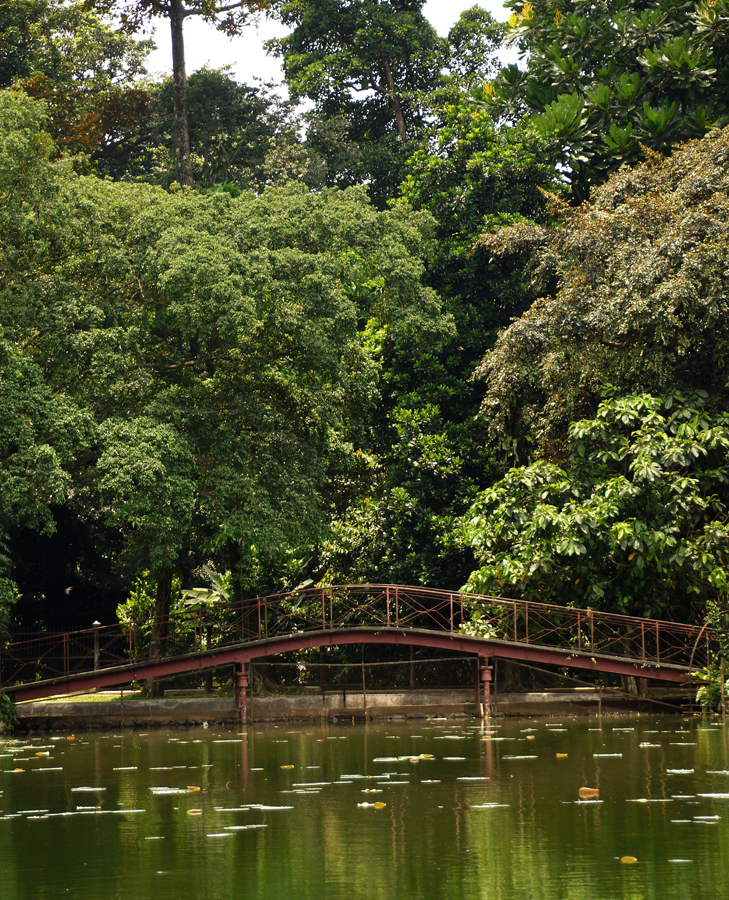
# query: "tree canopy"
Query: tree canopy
{"points": [[216, 356], [602, 78], [282, 345], [640, 300], [636, 521]]}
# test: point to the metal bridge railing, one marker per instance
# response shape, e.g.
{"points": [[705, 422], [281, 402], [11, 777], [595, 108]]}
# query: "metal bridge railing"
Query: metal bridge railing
{"points": [[651, 642]]}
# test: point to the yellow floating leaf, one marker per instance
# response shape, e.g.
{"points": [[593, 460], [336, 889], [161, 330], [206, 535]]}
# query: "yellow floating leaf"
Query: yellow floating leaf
{"points": [[379, 805], [287, 767], [194, 812], [191, 788], [586, 792], [561, 756], [628, 860]]}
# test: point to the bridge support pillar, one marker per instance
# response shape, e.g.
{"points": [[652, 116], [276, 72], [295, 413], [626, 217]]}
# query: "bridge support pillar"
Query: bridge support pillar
{"points": [[486, 677], [240, 678]]}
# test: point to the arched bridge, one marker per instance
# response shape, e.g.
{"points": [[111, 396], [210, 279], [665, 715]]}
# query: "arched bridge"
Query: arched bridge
{"points": [[217, 634]]}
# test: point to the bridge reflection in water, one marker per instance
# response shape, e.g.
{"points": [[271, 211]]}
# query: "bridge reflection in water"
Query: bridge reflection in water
{"points": [[222, 634]]}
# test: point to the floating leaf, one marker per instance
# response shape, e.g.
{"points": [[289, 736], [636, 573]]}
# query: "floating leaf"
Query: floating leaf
{"points": [[628, 860]]}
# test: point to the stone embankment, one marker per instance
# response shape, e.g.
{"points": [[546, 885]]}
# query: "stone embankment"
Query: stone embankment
{"points": [[118, 711]]}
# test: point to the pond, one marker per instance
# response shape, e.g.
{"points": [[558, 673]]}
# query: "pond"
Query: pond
{"points": [[418, 810]]}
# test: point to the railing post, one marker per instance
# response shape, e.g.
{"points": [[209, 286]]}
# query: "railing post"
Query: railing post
{"points": [[642, 637], [96, 625], [259, 617], [323, 612], [451, 598], [526, 613], [592, 632], [397, 607], [65, 654], [658, 646], [579, 630], [331, 606], [515, 637], [387, 594]]}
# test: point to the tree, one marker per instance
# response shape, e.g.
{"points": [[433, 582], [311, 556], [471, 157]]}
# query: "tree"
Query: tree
{"points": [[135, 15], [634, 294], [637, 521], [231, 127], [428, 453], [603, 78], [337, 49], [68, 44], [474, 42], [369, 63], [84, 70], [145, 482], [222, 348]]}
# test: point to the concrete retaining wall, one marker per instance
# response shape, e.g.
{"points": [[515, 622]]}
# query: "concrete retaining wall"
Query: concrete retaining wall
{"points": [[170, 711]]}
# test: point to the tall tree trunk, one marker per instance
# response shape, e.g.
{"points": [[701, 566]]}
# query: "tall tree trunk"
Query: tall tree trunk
{"points": [[181, 132], [153, 687], [394, 99]]}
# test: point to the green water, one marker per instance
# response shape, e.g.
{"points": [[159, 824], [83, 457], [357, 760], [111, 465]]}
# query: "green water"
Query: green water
{"points": [[476, 821]]}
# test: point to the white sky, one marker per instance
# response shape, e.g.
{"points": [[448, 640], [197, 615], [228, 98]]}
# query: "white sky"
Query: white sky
{"points": [[203, 44]]}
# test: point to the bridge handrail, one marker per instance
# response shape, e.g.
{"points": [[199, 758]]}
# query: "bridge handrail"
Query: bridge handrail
{"points": [[387, 604]]}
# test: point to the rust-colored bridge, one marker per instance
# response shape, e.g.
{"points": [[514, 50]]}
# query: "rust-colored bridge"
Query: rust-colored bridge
{"points": [[221, 634]]}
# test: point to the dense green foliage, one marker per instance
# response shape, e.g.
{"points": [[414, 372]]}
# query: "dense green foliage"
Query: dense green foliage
{"points": [[641, 300], [316, 360], [603, 77], [81, 66], [191, 389], [637, 521], [377, 69]]}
